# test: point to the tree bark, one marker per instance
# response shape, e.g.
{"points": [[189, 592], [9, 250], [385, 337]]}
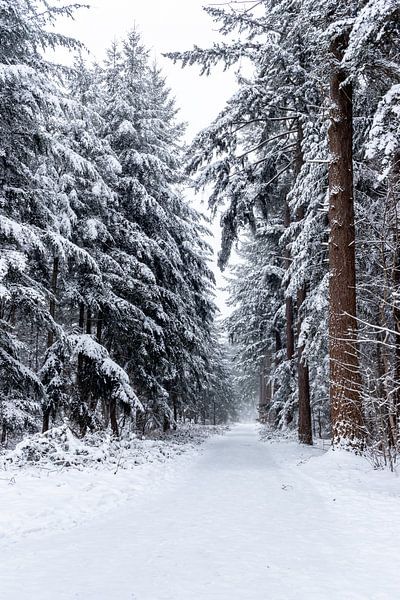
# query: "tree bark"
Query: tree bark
{"points": [[175, 410], [83, 375], [345, 379], [303, 375], [113, 417], [99, 326], [89, 321], [3, 434], [54, 280], [288, 310], [81, 321], [265, 397], [392, 203], [50, 335], [289, 301], [305, 424], [394, 196]]}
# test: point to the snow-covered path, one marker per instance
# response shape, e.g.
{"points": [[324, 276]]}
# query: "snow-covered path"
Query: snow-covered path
{"points": [[240, 521]]}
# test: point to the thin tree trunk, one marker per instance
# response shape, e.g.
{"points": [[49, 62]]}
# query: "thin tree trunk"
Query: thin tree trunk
{"points": [[46, 419], [288, 310], [99, 326], [265, 397], [50, 335], [305, 423], [303, 375], [113, 417], [54, 280], [175, 409], [394, 192], [89, 321], [261, 394], [3, 434], [83, 379], [289, 301], [273, 385], [345, 380], [81, 322]]}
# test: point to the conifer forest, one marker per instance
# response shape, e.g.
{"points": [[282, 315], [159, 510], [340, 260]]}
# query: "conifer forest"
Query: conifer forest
{"points": [[170, 436]]}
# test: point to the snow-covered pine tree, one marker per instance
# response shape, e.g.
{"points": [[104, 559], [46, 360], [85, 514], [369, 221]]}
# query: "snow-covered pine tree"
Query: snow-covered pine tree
{"points": [[163, 286], [86, 175], [347, 50], [28, 100]]}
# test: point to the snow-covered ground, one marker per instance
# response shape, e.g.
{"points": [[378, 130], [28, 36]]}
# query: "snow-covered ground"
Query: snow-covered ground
{"points": [[239, 519], [40, 493]]}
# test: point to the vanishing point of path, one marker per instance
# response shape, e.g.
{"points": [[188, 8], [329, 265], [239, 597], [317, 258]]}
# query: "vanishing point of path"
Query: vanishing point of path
{"points": [[238, 522]]}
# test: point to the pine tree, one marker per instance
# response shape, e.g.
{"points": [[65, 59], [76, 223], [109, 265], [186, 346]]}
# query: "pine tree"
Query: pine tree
{"points": [[27, 202]]}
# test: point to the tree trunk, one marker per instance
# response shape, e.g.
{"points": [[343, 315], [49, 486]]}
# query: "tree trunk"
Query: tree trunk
{"points": [[303, 376], [345, 380], [99, 326], [288, 311], [50, 335], [81, 322], [175, 409], [89, 321], [265, 398], [305, 424], [46, 419], [261, 406], [113, 417], [54, 279], [394, 196], [82, 416], [3, 434], [289, 301]]}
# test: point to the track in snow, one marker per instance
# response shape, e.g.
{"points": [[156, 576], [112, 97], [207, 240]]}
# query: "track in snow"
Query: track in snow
{"points": [[238, 523]]}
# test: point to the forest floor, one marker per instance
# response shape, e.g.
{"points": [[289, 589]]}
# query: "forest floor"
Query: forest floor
{"points": [[237, 519]]}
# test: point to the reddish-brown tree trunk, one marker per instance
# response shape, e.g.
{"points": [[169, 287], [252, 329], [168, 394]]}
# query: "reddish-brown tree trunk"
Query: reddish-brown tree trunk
{"points": [[345, 380], [305, 424], [303, 376], [394, 197]]}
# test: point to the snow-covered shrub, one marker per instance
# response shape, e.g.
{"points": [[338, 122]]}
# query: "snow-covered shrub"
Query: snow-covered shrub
{"points": [[60, 447]]}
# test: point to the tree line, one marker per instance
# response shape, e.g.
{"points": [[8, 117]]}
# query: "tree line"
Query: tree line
{"points": [[107, 316], [304, 165]]}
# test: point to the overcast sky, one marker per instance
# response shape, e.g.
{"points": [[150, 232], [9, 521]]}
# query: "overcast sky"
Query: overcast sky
{"points": [[165, 25]]}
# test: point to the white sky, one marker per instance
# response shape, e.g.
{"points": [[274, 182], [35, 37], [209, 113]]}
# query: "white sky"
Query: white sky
{"points": [[165, 25]]}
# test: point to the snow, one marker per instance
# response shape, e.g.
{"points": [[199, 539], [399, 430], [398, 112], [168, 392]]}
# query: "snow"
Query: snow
{"points": [[240, 520], [83, 478]]}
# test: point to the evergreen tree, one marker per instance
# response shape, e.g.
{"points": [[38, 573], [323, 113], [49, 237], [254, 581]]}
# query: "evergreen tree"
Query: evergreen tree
{"points": [[28, 102]]}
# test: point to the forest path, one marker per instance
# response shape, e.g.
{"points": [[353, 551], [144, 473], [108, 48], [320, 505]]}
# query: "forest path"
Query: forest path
{"points": [[241, 521]]}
